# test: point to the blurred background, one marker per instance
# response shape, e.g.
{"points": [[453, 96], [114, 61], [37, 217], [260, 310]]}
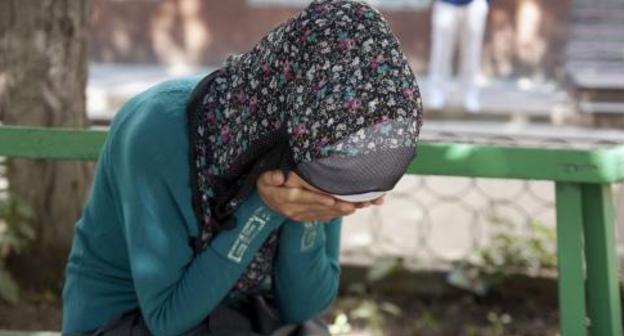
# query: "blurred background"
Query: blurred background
{"points": [[444, 256]]}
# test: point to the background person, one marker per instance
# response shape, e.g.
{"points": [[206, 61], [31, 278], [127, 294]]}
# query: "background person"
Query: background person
{"points": [[453, 23]]}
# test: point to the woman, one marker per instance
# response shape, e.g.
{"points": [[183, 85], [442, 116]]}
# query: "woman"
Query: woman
{"points": [[216, 205]]}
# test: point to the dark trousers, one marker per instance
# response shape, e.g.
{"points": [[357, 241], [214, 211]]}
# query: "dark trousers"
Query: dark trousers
{"points": [[256, 316]]}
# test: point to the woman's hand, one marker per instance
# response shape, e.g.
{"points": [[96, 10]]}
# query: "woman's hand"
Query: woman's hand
{"points": [[299, 201]]}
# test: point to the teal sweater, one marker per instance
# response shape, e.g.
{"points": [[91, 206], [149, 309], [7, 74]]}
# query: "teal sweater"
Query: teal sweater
{"points": [[131, 246]]}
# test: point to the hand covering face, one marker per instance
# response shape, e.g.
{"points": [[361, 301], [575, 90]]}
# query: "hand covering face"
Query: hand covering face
{"points": [[328, 94]]}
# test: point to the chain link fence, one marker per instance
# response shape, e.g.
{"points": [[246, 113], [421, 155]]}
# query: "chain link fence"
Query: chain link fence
{"points": [[433, 221]]}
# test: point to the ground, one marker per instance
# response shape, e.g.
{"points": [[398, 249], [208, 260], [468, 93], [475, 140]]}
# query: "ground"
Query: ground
{"points": [[457, 315]]}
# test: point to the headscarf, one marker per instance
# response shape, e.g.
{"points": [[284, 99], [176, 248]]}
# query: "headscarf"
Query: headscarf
{"points": [[328, 94]]}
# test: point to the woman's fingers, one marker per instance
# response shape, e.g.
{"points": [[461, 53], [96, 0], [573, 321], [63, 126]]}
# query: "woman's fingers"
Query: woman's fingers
{"points": [[278, 178], [272, 178], [345, 206], [316, 212], [293, 203], [319, 211], [310, 217], [301, 204], [298, 195], [378, 201]]}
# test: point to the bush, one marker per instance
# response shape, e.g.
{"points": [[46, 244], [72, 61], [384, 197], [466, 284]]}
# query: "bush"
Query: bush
{"points": [[16, 234], [509, 252]]}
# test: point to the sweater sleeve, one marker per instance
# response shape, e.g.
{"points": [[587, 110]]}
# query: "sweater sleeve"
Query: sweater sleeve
{"points": [[176, 289], [307, 269]]}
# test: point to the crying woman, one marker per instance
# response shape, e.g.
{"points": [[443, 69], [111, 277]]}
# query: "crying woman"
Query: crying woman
{"points": [[217, 203]]}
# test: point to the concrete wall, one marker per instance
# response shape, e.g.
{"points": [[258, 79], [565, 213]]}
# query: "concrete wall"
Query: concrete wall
{"points": [[524, 37]]}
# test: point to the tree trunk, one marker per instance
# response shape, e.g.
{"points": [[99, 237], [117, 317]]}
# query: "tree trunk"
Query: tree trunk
{"points": [[43, 73]]}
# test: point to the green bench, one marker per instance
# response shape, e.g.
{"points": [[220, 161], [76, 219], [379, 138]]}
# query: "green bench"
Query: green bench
{"points": [[589, 297]]}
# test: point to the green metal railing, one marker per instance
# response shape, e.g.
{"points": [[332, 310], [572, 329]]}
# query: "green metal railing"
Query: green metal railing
{"points": [[589, 297]]}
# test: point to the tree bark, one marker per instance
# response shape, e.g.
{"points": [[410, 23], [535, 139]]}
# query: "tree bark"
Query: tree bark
{"points": [[43, 74]]}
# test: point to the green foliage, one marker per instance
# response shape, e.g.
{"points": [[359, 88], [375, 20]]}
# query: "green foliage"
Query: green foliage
{"points": [[383, 267], [16, 233], [341, 324], [515, 252], [471, 330], [366, 310], [509, 252], [426, 324], [375, 314], [498, 323], [9, 290]]}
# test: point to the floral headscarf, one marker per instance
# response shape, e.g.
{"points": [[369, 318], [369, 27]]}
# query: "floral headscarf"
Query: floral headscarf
{"points": [[329, 85]]}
